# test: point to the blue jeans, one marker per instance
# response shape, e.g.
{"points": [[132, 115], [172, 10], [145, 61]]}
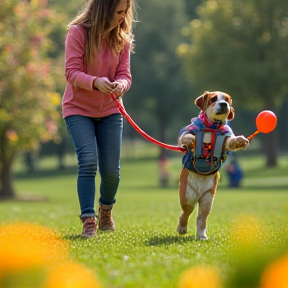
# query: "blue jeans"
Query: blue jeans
{"points": [[97, 142]]}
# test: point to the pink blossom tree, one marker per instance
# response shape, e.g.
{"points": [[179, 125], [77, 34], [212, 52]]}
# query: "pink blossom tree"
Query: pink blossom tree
{"points": [[28, 100]]}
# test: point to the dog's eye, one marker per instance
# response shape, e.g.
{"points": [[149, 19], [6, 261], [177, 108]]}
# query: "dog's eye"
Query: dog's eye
{"points": [[212, 99]]}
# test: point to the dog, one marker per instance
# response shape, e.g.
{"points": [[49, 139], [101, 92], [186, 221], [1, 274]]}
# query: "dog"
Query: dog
{"points": [[207, 139]]}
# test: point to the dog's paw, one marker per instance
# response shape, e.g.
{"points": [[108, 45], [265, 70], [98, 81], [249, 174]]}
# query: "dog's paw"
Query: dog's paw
{"points": [[187, 141], [202, 238], [237, 143], [201, 235], [182, 230]]}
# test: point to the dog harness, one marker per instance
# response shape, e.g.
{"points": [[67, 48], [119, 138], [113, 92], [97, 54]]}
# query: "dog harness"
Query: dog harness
{"points": [[209, 151]]}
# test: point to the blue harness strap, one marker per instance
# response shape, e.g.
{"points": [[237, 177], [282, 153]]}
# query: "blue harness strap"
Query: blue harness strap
{"points": [[199, 143], [209, 160], [218, 148]]}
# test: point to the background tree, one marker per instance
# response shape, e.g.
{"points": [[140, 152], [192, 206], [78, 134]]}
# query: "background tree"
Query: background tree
{"points": [[240, 47], [27, 82]]}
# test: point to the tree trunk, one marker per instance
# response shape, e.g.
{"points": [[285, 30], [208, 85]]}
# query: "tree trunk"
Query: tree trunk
{"points": [[270, 148], [61, 155], [6, 190], [270, 143], [282, 125]]}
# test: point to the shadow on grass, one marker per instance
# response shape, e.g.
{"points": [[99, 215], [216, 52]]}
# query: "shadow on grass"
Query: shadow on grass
{"points": [[169, 240], [74, 237]]}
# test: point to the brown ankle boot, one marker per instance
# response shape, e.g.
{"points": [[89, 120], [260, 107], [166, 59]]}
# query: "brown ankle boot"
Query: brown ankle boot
{"points": [[106, 222], [89, 227]]}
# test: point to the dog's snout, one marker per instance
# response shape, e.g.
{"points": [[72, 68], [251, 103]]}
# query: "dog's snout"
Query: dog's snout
{"points": [[222, 107]]}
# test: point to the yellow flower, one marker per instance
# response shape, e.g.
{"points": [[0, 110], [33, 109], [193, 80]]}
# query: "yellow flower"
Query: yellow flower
{"points": [[200, 276], [32, 255], [71, 275], [275, 274], [25, 245], [55, 98]]}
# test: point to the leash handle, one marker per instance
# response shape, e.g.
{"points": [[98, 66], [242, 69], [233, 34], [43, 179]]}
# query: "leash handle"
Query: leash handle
{"points": [[141, 132]]}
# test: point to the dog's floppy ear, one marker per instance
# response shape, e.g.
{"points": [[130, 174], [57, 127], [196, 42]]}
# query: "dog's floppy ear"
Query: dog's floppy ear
{"points": [[201, 101], [231, 114], [229, 99]]}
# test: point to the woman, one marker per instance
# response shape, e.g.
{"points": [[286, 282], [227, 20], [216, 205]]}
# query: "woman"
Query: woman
{"points": [[97, 62]]}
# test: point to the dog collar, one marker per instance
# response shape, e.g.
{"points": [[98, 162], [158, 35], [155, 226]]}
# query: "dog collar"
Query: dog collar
{"points": [[210, 124]]}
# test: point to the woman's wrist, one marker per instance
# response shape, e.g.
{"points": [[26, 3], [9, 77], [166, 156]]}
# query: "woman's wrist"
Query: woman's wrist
{"points": [[95, 84]]}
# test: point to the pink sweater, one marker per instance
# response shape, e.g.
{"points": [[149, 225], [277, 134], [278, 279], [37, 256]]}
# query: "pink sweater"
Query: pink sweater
{"points": [[79, 97]]}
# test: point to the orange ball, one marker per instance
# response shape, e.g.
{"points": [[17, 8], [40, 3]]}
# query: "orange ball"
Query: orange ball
{"points": [[266, 121]]}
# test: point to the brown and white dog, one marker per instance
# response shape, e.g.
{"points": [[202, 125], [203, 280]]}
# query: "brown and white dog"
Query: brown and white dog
{"points": [[206, 139]]}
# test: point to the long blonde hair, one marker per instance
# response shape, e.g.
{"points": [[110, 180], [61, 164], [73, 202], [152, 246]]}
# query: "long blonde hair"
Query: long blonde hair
{"points": [[96, 17]]}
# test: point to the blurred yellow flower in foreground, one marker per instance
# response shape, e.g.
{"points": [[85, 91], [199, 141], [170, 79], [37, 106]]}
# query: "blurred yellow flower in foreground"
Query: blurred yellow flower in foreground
{"points": [[275, 275], [25, 245], [71, 275], [32, 255], [200, 276]]}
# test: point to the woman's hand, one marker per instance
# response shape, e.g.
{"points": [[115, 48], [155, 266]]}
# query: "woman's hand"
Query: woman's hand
{"points": [[104, 85], [118, 90]]}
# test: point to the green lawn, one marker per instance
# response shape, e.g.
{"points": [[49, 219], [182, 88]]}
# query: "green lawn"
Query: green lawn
{"points": [[145, 250]]}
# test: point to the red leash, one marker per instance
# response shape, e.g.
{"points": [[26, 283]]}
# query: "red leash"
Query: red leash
{"points": [[140, 131]]}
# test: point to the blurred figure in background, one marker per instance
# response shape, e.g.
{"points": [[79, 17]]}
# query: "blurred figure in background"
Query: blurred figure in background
{"points": [[163, 171], [234, 171]]}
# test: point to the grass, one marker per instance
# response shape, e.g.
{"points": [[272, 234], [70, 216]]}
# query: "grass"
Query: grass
{"points": [[145, 250]]}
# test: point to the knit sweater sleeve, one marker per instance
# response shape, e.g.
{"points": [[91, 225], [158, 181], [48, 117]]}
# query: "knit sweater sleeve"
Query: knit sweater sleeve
{"points": [[123, 73], [74, 58]]}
